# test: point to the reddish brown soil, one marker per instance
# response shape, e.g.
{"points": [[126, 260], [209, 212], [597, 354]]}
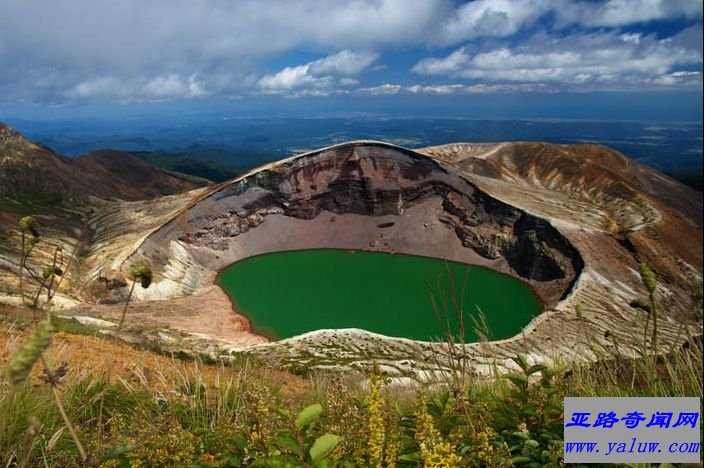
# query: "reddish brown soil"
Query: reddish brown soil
{"points": [[88, 357]]}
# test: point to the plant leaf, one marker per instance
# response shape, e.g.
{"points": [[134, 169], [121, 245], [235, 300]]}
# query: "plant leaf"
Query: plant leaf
{"points": [[517, 379], [521, 362], [535, 368], [54, 439], [308, 415], [323, 446], [118, 450], [283, 413], [531, 443], [287, 443]]}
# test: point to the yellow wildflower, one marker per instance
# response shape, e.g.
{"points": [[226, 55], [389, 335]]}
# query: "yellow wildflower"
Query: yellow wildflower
{"points": [[375, 424], [435, 452]]}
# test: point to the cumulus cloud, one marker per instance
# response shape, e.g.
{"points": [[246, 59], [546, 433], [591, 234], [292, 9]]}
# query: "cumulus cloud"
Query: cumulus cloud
{"points": [[319, 75], [457, 88], [345, 62], [132, 41], [503, 18], [184, 49], [491, 18], [291, 78], [449, 65], [625, 12], [598, 59], [159, 88]]}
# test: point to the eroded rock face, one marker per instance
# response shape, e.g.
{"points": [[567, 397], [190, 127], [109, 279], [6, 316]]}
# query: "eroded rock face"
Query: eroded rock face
{"points": [[537, 252], [345, 196]]}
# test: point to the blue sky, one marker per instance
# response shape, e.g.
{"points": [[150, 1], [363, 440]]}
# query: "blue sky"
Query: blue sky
{"points": [[99, 54]]}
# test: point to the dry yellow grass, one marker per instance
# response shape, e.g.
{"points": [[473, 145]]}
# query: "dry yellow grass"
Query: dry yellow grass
{"points": [[88, 357]]}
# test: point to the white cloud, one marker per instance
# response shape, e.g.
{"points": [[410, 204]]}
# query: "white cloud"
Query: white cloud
{"points": [[491, 18], [631, 37], [132, 49], [319, 75], [171, 85], [436, 89], [98, 86], [224, 43], [623, 12], [288, 79], [158, 88], [510, 88], [503, 18], [681, 78], [348, 81], [382, 90], [602, 58], [457, 88], [345, 62], [133, 35], [449, 65]]}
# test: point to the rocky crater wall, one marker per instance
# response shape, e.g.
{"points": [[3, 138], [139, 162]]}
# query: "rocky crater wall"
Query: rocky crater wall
{"points": [[361, 195]]}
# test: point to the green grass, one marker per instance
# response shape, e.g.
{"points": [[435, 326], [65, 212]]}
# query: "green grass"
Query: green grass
{"points": [[66, 325], [245, 416]]}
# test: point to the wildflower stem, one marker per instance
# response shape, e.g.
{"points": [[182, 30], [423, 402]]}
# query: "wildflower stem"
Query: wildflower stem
{"points": [[23, 259], [127, 303], [111, 363], [654, 347], [51, 292], [67, 421]]}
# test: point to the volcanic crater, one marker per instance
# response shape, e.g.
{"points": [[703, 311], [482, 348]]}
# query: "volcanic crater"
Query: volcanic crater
{"points": [[573, 222], [367, 196]]}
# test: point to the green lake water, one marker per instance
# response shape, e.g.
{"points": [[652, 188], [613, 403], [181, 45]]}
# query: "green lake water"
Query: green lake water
{"points": [[289, 293]]}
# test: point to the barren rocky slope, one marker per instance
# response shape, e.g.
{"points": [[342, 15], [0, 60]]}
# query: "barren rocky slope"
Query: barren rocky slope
{"points": [[67, 196], [573, 221], [31, 171], [127, 177]]}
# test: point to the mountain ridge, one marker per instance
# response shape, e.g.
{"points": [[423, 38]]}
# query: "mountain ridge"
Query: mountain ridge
{"points": [[33, 171]]}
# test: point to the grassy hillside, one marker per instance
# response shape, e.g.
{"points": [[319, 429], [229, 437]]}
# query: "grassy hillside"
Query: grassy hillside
{"points": [[159, 411]]}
